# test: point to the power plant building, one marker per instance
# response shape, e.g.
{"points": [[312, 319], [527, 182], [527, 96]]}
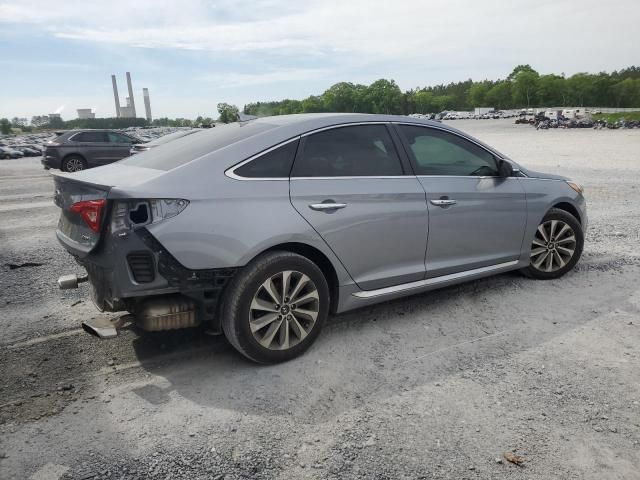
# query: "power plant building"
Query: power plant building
{"points": [[147, 103], [129, 111], [84, 113]]}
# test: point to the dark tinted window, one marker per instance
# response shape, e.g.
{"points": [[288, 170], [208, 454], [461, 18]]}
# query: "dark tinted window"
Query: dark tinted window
{"points": [[274, 164], [362, 150], [441, 153], [90, 137], [118, 138], [183, 150]]}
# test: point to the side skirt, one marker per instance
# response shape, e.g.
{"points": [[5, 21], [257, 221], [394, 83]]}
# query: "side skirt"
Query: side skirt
{"points": [[352, 297]]}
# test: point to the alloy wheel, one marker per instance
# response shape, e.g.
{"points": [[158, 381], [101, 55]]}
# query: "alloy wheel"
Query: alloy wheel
{"points": [[554, 245], [74, 165], [284, 310]]}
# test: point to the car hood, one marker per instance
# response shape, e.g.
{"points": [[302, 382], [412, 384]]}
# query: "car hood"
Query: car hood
{"points": [[534, 174]]}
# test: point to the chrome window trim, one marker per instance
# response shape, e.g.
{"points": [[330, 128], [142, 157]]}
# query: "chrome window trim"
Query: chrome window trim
{"points": [[230, 172], [362, 177], [477, 177], [341, 125], [431, 281]]}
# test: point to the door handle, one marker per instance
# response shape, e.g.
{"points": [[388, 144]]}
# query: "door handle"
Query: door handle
{"points": [[327, 206], [443, 202]]}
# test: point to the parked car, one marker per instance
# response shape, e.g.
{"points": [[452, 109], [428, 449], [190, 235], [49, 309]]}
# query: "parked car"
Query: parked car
{"points": [[8, 152], [77, 150], [28, 152], [259, 230], [143, 147]]}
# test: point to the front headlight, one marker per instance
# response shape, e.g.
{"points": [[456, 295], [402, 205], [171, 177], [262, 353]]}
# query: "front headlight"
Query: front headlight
{"points": [[576, 186]]}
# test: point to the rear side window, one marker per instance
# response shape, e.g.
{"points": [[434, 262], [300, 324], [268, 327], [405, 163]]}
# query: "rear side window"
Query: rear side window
{"points": [[274, 164], [353, 151], [118, 138], [90, 137], [442, 153]]}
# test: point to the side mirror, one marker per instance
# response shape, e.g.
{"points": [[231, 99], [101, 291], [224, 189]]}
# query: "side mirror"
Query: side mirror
{"points": [[505, 169]]}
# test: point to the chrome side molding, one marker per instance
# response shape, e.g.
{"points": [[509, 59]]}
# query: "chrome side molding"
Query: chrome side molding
{"points": [[432, 281]]}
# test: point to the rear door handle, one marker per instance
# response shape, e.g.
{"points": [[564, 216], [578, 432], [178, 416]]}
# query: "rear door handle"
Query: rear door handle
{"points": [[443, 202], [327, 206]]}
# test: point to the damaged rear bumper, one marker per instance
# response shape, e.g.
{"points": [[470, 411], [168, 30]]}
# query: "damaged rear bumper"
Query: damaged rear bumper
{"points": [[134, 273]]}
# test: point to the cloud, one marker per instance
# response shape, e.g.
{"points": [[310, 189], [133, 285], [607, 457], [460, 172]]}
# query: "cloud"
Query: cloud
{"points": [[234, 80]]}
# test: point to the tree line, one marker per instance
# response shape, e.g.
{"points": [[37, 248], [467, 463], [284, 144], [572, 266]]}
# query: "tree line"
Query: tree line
{"points": [[523, 88]]}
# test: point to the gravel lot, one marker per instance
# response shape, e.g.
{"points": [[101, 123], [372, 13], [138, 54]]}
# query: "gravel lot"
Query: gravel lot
{"points": [[438, 385]]}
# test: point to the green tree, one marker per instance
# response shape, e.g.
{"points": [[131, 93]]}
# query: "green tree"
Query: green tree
{"points": [[581, 88], [424, 102], [477, 94], [228, 113], [499, 96], [312, 104], [385, 97], [5, 126], [627, 92], [525, 85], [551, 90], [341, 97]]}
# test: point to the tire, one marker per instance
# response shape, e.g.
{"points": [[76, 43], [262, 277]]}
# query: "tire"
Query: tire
{"points": [[563, 234], [74, 163], [248, 306]]}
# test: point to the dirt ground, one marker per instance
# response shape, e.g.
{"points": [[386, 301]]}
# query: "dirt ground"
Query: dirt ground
{"points": [[438, 385]]}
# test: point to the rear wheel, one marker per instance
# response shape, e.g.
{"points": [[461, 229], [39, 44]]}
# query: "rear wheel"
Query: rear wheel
{"points": [[74, 163], [556, 247], [275, 307]]}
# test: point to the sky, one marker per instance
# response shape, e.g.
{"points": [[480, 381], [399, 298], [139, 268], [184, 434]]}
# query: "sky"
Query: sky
{"points": [[192, 54]]}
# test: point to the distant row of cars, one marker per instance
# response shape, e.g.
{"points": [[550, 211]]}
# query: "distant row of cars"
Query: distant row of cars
{"points": [[19, 151], [78, 150], [481, 114]]}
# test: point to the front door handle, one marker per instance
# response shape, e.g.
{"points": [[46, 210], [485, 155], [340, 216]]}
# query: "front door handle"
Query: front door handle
{"points": [[443, 202], [327, 206]]}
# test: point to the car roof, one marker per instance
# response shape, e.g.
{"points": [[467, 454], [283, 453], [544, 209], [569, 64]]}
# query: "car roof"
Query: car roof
{"points": [[228, 144]]}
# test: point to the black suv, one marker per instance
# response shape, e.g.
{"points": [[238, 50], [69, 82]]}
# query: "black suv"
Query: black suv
{"points": [[77, 150]]}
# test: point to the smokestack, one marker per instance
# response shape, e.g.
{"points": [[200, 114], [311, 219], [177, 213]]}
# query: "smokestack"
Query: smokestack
{"points": [[115, 94], [133, 105], [147, 103]]}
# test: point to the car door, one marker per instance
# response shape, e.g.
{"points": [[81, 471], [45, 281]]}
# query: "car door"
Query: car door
{"points": [[349, 183], [476, 217], [120, 146], [94, 147]]}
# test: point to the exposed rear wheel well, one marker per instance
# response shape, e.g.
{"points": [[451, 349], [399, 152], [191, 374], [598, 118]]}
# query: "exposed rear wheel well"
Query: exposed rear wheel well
{"points": [[321, 260], [567, 207]]}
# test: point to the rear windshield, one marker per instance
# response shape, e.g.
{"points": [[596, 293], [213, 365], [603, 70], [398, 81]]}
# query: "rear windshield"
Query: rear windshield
{"points": [[183, 150], [172, 136]]}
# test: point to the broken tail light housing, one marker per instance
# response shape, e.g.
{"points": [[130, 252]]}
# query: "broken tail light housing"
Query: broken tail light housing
{"points": [[91, 212], [137, 213]]}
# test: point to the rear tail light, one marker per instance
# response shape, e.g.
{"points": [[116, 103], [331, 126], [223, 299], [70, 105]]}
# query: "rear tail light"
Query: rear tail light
{"points": [[91, 212]]}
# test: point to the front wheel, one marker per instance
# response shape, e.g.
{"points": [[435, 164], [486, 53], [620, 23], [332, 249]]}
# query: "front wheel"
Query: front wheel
{"points": [[275, 307], [556, 247]]}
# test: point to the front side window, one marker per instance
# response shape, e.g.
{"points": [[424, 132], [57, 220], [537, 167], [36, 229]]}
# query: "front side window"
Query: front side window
{"points": [[90, 137], [437, 152], [274, 164], [353, 151]]}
